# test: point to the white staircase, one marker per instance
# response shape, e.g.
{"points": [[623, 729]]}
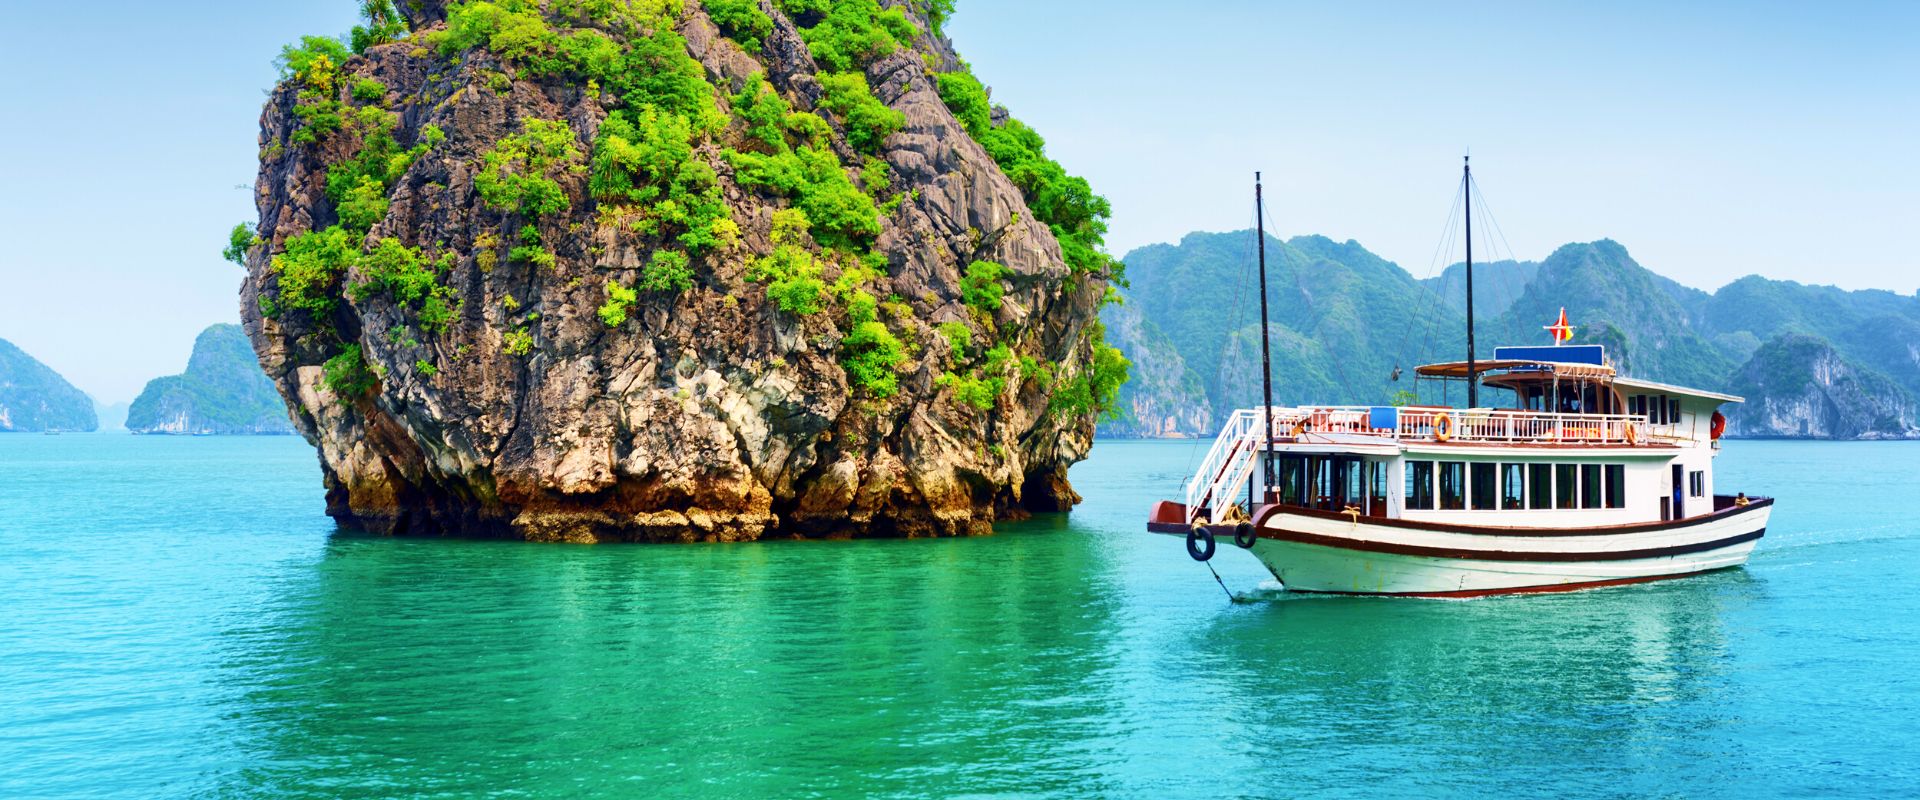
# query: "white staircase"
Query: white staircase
{"points": [[1222, 477]]}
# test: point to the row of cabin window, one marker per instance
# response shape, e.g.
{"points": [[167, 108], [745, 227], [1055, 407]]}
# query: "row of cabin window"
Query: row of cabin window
{"points": [[1331, 483], [1486, 486], [1658, 410]]}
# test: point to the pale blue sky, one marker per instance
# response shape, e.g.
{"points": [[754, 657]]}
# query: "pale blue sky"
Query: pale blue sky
{"points": [[1713, 140]]}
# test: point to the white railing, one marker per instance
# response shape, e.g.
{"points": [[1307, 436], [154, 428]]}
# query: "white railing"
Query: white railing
{"points": [[1517, 427], [1228, 465]]}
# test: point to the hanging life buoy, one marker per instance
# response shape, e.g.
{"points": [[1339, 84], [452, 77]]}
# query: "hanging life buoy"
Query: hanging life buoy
{"points": [[1718, 426], [1200, 543], [1243, 535], [1443, 427], [1633, 433]]}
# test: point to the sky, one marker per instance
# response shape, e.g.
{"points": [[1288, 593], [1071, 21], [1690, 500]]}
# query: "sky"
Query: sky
{"points": [[1713, 140]]}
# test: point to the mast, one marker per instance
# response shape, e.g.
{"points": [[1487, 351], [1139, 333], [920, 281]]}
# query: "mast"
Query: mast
{"points": [[1266, 358], [1466, 189]]}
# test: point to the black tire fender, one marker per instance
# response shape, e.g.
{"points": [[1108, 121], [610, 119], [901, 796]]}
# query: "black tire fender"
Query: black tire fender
{"points": [[1200, 543], [1243, 535]]}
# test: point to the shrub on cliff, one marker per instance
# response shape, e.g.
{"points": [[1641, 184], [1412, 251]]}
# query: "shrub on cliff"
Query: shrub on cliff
{"points": [[517, 174]]}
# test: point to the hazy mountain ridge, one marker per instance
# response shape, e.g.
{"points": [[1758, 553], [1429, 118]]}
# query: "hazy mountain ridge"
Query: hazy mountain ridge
{"points": [[33, 397], [1653, 326]]}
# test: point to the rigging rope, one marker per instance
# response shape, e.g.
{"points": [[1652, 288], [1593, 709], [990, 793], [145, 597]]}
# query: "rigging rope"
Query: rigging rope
{"points": [[1424, 345]]}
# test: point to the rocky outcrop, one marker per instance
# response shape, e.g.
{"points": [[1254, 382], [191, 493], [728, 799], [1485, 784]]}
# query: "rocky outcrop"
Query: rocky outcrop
{"points": [[1798, 386], [223, 392], [35, 398], [543, 406]]}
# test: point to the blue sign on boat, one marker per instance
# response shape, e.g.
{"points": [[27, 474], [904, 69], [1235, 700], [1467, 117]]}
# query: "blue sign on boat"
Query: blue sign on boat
{"points": [[1384, 418], [1565, 354]]}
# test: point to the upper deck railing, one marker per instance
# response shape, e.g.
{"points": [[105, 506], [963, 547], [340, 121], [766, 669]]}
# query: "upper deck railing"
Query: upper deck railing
{"points": [[1481, 426]]}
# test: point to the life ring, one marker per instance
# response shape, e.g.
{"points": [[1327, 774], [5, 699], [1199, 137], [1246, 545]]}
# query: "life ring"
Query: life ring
{"points": [[1243, 535], [1633, 433], [1443, 427], [1299, 428], [1718, 426], [1200, 543]]}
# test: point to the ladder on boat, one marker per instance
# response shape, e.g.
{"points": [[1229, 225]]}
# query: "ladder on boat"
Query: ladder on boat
{"points": [[1229, 465]]}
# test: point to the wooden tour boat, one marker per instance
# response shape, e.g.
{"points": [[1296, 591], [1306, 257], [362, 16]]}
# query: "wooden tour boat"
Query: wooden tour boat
{"points": [[1589, 479]]}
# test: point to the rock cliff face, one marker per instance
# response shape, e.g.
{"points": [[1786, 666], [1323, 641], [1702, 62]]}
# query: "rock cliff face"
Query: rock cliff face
{"points": [[578, 271], [35, 398], [1165, 399], [1798, 386], [223, 391]]}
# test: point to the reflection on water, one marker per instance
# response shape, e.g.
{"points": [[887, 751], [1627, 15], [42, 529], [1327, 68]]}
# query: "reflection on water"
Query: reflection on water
{"points": [[203, 634], [468, 667]]}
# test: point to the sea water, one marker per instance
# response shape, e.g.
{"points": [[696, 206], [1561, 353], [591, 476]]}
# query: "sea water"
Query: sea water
{"points": [[179, 618]]}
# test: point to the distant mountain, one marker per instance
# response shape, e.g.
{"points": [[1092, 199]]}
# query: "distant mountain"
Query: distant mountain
{"points": [[1798, 385], [1601, 286], [1345, 319], [1496, 285], [223, 391], [1163, 398], [113, 416], [35, 398]]}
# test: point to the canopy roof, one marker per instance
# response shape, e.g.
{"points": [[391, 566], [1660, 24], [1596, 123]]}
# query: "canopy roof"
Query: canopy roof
{"points": [[1516, 368]]}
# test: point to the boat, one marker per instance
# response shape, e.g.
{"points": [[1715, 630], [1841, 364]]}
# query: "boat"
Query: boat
{"points": [[1585, 478]]}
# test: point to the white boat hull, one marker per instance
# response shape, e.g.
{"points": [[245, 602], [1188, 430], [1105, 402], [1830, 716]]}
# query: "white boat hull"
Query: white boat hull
{"points": [[1318, 552]]}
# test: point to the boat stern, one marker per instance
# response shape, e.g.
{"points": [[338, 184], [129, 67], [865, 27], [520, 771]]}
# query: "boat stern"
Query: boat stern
{"points": [[1168, 516]]}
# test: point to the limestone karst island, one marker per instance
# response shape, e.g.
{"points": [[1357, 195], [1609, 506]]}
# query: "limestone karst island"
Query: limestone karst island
{"points": [[594, 271], [909, 399]]}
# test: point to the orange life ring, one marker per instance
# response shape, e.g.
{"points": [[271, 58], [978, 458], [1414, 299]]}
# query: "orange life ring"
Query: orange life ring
{"points": [[1718, 426], [1633, 433], [1443, 427]]}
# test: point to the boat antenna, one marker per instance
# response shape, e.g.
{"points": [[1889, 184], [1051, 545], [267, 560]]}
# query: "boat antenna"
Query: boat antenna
{"points": [[1466, 188], [1266, 358]]}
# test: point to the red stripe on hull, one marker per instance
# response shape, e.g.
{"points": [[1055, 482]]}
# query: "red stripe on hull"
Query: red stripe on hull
{"points": [[1563, 587]]}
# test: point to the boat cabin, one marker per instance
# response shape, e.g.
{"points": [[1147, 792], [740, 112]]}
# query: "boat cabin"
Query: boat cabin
{"points": [[1576, 445]]}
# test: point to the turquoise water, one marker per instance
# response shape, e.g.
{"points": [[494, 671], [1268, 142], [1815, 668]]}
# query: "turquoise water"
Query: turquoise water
{"points": [[178, 618]]}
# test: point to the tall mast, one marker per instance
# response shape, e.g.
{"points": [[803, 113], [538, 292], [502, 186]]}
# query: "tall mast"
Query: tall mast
{"points": [[1466, 189], [1266, 358]]}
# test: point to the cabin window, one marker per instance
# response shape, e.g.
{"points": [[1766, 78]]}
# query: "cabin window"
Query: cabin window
{"points": [[1616, 486], [1590, 486], [1293, 473], [1567, 486], [1453, 485], [1673, 410], [1377, 488], [1513, 486], [1420, 485], [1540, 476], [1697, 483], [1484, 486], [1320, 483]]}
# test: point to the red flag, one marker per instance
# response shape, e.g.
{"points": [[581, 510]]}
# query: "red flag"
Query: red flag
{"points": [[1562, 332]]}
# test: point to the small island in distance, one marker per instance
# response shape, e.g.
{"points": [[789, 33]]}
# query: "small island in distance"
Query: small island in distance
{"points": [[223, 391]]}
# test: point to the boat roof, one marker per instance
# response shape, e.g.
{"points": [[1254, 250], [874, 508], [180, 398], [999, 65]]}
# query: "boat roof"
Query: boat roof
{"points": [[1576, 362], [1668, 388], [1545, 369]]}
